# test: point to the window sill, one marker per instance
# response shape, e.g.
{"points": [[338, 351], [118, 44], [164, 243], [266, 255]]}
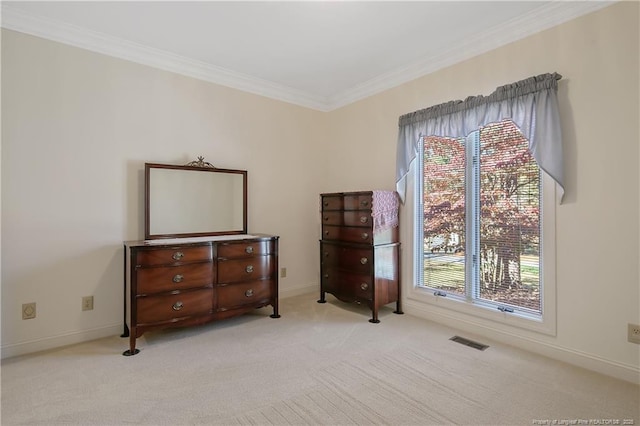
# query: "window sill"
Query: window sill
{"points": [[456, 306]]}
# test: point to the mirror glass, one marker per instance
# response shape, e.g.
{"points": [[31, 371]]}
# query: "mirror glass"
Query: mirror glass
{"points": [[190, 201]]}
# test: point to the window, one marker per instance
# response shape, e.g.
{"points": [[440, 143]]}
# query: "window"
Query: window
{"points": [[479, 205], [484, 233]]}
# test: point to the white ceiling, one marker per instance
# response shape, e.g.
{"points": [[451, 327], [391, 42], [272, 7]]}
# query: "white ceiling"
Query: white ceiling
{"points": [[318, 54]]}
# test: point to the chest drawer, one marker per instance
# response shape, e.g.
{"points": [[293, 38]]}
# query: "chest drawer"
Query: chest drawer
{"points": [[241, 294], [165, 256], [356, 259], [347, 233], [243, 249], [169, 278], [348, 218], [245, 269], [348, 284], [347, 202], [153, 309]]}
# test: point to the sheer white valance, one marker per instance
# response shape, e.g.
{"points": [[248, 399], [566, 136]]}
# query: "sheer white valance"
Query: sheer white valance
{"points": [[532, 104]]}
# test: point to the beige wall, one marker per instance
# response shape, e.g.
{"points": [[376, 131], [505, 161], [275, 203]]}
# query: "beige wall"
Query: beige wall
{"points": [[78, 126]]}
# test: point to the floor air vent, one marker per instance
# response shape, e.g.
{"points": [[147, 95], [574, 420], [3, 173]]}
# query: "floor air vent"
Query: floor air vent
{"points": [[470, 343]]}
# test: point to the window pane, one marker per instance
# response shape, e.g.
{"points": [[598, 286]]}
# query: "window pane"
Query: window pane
{"points": [[509, 218], [444, 214]]}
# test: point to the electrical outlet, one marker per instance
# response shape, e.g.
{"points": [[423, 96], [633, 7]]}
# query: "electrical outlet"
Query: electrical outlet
{"points": [[87, 303], [28, 310], [633, 334], [283, 272]]}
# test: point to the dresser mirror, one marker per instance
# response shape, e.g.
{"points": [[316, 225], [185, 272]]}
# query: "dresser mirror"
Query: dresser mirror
{"points": [[194, 200]]}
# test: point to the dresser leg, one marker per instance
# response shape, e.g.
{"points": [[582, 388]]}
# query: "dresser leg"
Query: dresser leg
{"points": [[398, 308], [399, 284], [322, 300], [132, 346], [275, 311], [375, 319]]}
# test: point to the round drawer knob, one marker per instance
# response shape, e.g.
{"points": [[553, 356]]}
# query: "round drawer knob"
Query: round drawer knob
{"points": [[326, 275], [178, 278], [178, 255], [364, 203], [249, 293], [363, 219], [326, 218], [364, 286], [365, 235], [249, 269], [364, 260], [177, 306], [249, 249]]}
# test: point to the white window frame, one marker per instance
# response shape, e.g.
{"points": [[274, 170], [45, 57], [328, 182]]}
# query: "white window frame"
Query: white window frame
{"points": [[546, 322]]}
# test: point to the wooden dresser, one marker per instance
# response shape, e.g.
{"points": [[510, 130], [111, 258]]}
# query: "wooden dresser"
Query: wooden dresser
{"points": [[188, 281], [359, 249]]}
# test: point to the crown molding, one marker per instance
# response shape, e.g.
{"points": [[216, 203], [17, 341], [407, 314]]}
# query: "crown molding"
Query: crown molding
{"points": [[542, 18], [17, 20]]}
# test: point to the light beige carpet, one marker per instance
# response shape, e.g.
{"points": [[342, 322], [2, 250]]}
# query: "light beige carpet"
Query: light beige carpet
{"points": [[320, 364]]}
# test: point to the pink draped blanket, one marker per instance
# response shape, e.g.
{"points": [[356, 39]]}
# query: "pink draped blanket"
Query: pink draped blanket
{"points": [[385, 210]]}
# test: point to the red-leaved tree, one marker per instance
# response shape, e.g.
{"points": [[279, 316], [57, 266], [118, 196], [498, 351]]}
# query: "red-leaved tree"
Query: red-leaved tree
{"points": [[509, 201]]}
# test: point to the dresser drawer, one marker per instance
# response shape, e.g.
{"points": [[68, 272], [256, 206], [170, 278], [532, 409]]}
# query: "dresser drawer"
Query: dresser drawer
{"points": [[347, 233], [243, 249], [347, 202], [347, 284], [348, 218], [245, 269], [234, 295], [153, 309], [359, 260], [165, 256], [168, 278]]}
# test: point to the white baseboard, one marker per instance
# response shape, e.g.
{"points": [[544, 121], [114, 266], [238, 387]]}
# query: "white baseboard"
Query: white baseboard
{"points": [[71, 338], [298, 290], [53, 342], [621, 371], [629, 373]]}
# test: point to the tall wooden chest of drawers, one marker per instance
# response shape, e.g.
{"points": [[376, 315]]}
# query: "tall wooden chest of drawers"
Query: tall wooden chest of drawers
{"points": [[359, 249], [183, 282]]}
